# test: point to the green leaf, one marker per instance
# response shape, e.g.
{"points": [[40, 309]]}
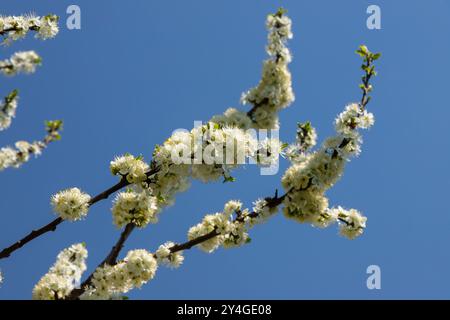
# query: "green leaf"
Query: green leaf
{"points": [[228, 179], [284, 145], [376, 56], [281, 11]]}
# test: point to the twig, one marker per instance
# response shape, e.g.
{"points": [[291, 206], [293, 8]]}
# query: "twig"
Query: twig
{"points": [[111, 259], [5, 253]]}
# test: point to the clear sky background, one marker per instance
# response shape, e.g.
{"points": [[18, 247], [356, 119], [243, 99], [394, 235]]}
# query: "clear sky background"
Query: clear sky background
{"points": [[139, 69]]}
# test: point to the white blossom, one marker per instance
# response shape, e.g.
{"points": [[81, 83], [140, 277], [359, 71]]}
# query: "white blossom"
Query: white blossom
{"points": [[353, 118], [10, 157], [165, 256], [20, 62], [48, 27], [139, 208], [65, 274], [16, 27], [8, 110], [351, 222], [133, 168], [274, 91], [138, 267], [212, 222], [232, 206], [71, 204], [263, 210]]}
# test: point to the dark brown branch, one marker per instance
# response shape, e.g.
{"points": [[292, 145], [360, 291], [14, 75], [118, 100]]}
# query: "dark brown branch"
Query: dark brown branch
{"points": [[111, 259], [5, 253], [5, 31], [112, 256], [105, 194]]}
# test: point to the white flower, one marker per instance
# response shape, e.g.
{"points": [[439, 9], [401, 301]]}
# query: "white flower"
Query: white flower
{"points": [[352, 223], [16, 27], [325, 218], [236, 236], [165, 256], [138, 267], [8, 158], [65, 274], [304, 206], [233, 118], [263, 211], [232, 206], [8, 110], [20, 62], [48, 27], [353, 118], [134, 169], [71, 204], [274, 91], [217, 222], [139, 208], [141, 266]]}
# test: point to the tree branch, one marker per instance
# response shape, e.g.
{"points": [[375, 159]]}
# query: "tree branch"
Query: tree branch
{"points": [[5, 253], [111, 259]]}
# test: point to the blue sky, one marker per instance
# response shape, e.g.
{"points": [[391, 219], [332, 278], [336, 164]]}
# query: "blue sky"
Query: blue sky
{"points": [[139, 69]]}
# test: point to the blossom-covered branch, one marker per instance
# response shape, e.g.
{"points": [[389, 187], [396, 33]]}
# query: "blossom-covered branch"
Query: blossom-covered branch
{"points": [[15, 157], [72, 195], [8, 109], [13, 28], [154, 186], [20, 62], [305, 182], [274, 91]]}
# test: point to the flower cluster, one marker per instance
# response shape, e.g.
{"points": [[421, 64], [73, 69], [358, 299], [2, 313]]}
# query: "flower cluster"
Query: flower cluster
{"points": [[65, 274], [133, 168], [352, 223], [139, 208], [305, 140], [262, 211], [230, 233], [16, 27], [71, 204], [210, 151], [138, 267], [164, 255], [204, 153], [15, 157], [274, 92], [233, 118], [8, 109], [311, 174], [207, 153], [20, 62]]}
